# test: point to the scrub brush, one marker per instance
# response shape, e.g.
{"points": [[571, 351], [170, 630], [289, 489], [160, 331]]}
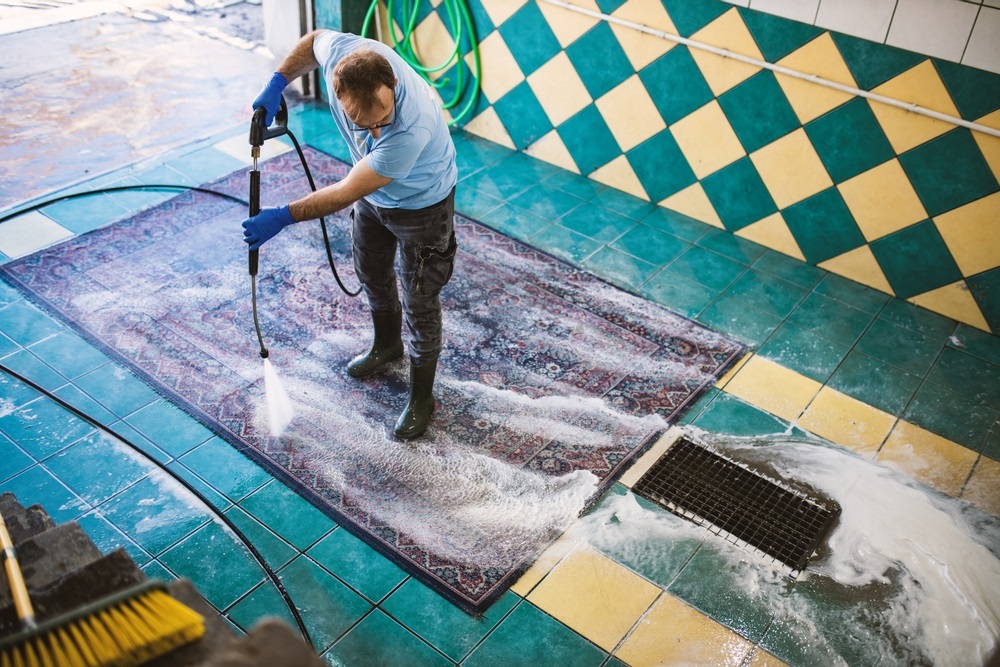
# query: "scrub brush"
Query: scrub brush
{"points": [[125, 629]]}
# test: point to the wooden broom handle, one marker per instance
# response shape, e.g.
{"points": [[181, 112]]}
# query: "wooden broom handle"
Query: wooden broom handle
{"points": [[18, 589]]}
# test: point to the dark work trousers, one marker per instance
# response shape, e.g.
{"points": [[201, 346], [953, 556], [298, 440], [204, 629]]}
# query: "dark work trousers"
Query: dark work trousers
{"points": [[426, 241]]}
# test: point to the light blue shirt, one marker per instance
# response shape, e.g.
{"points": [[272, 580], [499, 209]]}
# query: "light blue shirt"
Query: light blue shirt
{"points": [[415, 150]]}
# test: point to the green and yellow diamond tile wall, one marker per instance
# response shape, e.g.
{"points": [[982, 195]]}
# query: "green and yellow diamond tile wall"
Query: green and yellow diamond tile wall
{"points": [[901, 202]]}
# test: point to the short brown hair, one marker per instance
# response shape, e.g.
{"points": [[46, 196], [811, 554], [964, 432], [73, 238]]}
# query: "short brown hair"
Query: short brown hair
{"points": [[360, 74]]}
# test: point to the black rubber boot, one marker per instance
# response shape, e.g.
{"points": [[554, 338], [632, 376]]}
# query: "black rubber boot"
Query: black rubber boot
{"points": [[387, 346], [418, 409]]}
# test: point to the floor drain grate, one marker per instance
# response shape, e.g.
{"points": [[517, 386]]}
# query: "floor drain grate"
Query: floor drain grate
{"points": [[738, 503]]}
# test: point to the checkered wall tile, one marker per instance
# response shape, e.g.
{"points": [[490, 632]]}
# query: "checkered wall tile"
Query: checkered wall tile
{"points": [[894, 200]]}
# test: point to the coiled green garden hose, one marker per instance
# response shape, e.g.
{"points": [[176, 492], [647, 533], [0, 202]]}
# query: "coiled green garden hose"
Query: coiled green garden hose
{"points": [[461, 23]]}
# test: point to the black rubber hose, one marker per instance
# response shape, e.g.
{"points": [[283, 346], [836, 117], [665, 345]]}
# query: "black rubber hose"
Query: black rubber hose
{"points": [[271, 574]]}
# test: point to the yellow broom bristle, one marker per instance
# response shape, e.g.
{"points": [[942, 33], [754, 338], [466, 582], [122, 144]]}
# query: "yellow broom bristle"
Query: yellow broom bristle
{"points": [[127, 632]]}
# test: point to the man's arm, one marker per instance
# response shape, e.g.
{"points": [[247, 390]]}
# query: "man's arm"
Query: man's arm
{"points": [[300, 60], [360, 181]]}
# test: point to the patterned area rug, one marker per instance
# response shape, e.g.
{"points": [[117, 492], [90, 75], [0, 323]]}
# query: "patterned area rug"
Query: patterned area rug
{"points": [[550, 384]]}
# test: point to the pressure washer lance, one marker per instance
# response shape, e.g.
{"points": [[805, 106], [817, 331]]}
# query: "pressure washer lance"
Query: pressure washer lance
{"points": [[259, 133]]}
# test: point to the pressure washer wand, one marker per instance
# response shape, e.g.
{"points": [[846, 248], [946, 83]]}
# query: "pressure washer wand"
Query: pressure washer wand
{"points": [[259, 132]]}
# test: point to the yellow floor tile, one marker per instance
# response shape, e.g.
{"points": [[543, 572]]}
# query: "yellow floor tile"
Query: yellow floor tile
{"points": [[769, 386], [726, 32], [955, 301], [641, 48], [731, 373], [639, 468], [928, 458], [544, 564], [630, 113], [566, 24], [501, 73], [860, 266], [595, 596], [882, 200], [791, 169], [983, 488], [762, 658], [970, 232], [847, 422], [707, 140], [693, 202], [772, 232], [673, 633], [559, 89], [821, 58], [922, 86]]}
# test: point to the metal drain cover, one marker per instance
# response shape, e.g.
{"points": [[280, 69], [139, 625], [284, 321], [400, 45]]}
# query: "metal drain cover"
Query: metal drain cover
{"points": [[737, 503]]}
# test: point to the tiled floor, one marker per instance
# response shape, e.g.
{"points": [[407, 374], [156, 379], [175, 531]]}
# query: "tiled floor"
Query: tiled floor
{"points": [[894, 383]]}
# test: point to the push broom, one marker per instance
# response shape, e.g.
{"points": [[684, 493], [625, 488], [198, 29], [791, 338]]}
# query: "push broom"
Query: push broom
{"points": [[125, 629]]}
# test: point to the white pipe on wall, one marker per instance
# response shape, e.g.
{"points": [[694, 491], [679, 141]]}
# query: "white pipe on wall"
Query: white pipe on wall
{"points": [[725, 53]]}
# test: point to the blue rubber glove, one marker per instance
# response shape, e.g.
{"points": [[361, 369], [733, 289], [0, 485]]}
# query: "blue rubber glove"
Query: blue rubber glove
{"points": [[269, 96], [266, 225]]}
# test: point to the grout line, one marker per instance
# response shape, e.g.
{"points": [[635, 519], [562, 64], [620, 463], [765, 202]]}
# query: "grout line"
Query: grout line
{"points": [[780, 69]]}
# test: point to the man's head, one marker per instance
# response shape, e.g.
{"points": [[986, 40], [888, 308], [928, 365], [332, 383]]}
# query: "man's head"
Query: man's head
{"points": [[364, 84]]}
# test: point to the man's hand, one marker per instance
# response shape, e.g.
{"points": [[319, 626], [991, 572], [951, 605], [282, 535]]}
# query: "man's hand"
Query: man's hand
{"points": [[269, 96], [265, 225]]}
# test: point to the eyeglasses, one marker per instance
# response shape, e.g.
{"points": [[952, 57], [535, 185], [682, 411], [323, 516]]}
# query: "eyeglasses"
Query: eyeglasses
{"points": [[354, 127]]}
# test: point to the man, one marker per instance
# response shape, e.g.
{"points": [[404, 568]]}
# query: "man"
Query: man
{"points": [[402, 188]]}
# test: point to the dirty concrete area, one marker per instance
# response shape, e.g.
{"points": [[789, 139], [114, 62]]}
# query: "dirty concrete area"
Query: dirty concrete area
{"points": [[90, 87]]}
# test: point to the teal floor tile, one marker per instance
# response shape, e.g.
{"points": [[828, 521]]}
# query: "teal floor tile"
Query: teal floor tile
{"points": [[917, 319], [678, 294], [766, 293], [261, 603], [36, 485], [26, 325], [132, 193], [7, 346], [514, 222], [275, 551], [729, 415], [875, 383], [196, 484], [14, 459], [967, 375], [731, 246], [474, 204], [711, 580], [98, 467], [951, 415], [333, 144], [624, 203], [328, 607], [978, 343], [852, 294], [676, 224], [168, 427], [650, 245], [379, 640], [565, 244], [156, 512], [288, 514], [620, 269], [108, 537], [15, 393], [69, 354], [43, 427], [155, 570], [498, 183], [789, 269], [29, 366], [83, 214], [574, 184], [831, 319], [225, 469], [137, 440], [803, 352], [357, 564], [442, 624], [531, 637], [476, 153], [205, 165], [117, 389], [597, 223], [737, 319], [546, 202], [707, 268], [657, 555], [217, 564], [899, 347], [526, 165]]}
